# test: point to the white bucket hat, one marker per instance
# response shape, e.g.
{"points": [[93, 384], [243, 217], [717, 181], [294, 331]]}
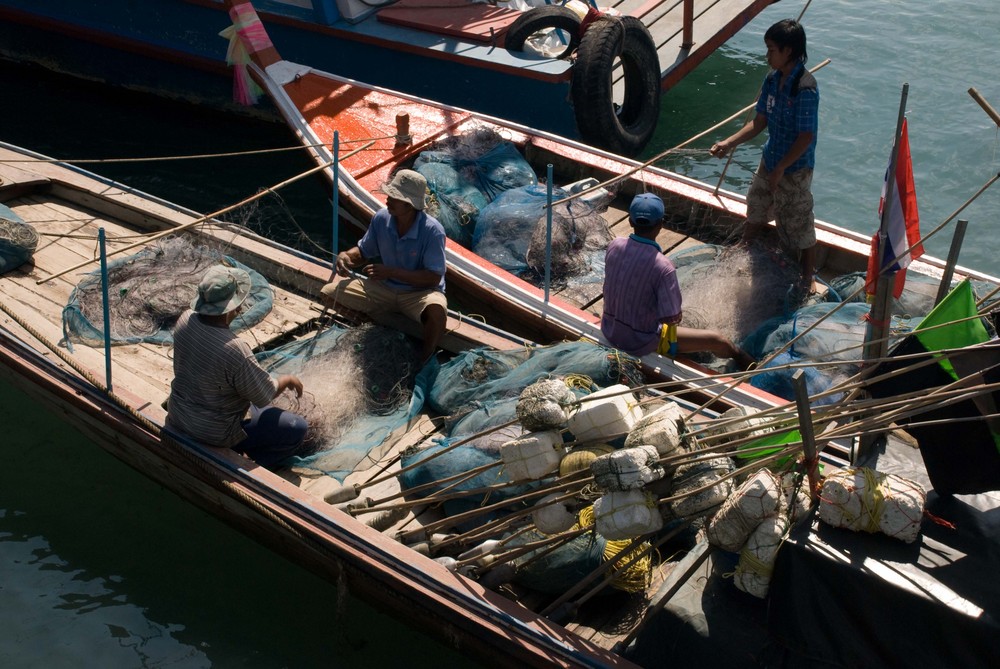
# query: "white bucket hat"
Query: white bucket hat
{"points": [[221, 290], [409, 186]]}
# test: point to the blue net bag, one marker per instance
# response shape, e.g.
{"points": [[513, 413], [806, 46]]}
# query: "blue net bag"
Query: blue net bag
{"points": [[18, 240]]}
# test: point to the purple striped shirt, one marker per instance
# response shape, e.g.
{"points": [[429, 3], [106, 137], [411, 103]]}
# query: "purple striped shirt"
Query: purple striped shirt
{"points": [[640, 293]]}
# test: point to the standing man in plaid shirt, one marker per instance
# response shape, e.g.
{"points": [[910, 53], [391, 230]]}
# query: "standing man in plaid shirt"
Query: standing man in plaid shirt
{"points": [[788, 107]]}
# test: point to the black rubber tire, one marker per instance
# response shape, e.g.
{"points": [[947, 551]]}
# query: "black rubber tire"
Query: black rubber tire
{"points": [[540, 18], [625, 130]]}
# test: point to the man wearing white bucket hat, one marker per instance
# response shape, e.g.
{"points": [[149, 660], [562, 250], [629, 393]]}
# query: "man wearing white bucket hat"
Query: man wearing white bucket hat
{"points": [[217, 380], [409, 278]]}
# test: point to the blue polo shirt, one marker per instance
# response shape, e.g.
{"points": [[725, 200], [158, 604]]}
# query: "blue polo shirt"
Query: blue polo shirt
{"points": [[788, 115], [421, 248], [640, 293]]}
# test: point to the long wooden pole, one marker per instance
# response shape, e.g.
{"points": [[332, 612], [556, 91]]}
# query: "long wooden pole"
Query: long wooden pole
{"points": [[202, 219]]}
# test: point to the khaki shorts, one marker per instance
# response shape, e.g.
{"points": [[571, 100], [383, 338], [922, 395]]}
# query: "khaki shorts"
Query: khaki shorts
{"points": [[791, 207], [375, 298]]}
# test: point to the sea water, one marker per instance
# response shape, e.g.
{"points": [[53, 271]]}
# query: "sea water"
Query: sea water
{"points": [[99, 567]]}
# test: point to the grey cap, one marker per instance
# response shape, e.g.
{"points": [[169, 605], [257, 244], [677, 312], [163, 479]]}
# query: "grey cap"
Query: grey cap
{"points": [[221, 290]]}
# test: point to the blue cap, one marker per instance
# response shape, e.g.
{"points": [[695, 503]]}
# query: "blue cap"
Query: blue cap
{"points": [[646, 209]]}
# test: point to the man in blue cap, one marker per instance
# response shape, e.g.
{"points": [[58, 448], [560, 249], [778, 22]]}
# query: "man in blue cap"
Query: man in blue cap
{"points": [[642, 299]]}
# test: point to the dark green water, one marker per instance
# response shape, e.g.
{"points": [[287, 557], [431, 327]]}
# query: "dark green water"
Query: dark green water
{"points": [[99, 567]]}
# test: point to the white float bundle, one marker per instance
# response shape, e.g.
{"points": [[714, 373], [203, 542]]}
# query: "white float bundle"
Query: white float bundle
{"points": [[751, 425], [533, 456], [753, 572], [865, 500], [753, 522], [693, 476], [754, 501], [661, 428], [627, 469], [605, 414]]}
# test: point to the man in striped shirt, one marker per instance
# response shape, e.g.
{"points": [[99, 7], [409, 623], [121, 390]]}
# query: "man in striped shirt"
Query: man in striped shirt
{"points": [[642, 296], [217, 380]]}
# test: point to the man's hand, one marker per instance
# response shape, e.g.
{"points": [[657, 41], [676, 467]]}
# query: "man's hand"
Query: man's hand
{"points": [[343, 264], [286, 381], [380, 272], [721, 149], [774, 178]]}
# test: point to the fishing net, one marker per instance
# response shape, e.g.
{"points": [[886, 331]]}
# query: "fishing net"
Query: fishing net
{"points": [[149, 290], [479, 390], [733, 289], [556, 571], [505, 226], [18, 240], [475, 378], [825, 336], [360, 385], [512, 232], [579, 239], [467, 171], [443, 461]]}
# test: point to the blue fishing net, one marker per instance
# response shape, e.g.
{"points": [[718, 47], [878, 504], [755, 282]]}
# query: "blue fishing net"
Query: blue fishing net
{"points": [[467, 173], [18, 240], [505, 226], [826, 336], [479, 389], [438, 463], [486, 375], [149, 290]]}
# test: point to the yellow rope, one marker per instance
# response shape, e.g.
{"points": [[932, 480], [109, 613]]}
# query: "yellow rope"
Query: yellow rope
{"points": [[872, 502], [638, 575]]}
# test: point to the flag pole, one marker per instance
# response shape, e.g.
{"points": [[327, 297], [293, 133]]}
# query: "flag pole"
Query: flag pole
{"points": [[876, 343]]}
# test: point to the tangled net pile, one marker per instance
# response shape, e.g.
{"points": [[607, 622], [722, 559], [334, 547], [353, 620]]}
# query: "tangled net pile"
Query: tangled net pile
{"points": [[732, 289], [368, 371], [148, 291]]}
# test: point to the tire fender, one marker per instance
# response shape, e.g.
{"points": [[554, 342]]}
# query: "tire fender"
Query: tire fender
{"points": [[607, 42], [540, 18]]}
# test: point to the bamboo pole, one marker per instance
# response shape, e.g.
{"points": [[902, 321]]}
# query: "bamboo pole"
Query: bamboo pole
{"points": [[987, 107], [203, 219], [624, 175], [949, 271]]}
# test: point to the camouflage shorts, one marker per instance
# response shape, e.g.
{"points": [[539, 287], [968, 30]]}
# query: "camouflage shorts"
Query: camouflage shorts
{"points": [[791, 207]]}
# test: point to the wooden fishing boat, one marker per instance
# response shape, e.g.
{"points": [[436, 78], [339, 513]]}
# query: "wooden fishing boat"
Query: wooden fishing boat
{"points": [[379, 131], [172, 48], [116, 396], [377, 542]]}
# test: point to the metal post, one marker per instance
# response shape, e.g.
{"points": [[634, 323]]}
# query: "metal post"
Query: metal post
{"points": [[949, 270], [107, 308], [688, 25], [806, 430], [548, 230], [336, 195]]}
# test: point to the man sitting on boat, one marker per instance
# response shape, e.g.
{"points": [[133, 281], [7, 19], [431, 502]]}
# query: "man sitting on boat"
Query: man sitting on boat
{"points": [[642, 298], [217, 380], [410, 277]]}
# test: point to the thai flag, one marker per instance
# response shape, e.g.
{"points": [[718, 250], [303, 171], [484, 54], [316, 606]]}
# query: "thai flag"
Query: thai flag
{"points": [[902, 222]]}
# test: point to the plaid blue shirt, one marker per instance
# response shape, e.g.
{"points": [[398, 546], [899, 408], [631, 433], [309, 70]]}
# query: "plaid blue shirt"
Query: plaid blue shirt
{"points": [[787, 116]]}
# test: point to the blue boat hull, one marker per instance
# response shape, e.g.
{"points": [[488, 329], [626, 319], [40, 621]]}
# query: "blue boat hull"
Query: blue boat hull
{"points": [[173, 48]]}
